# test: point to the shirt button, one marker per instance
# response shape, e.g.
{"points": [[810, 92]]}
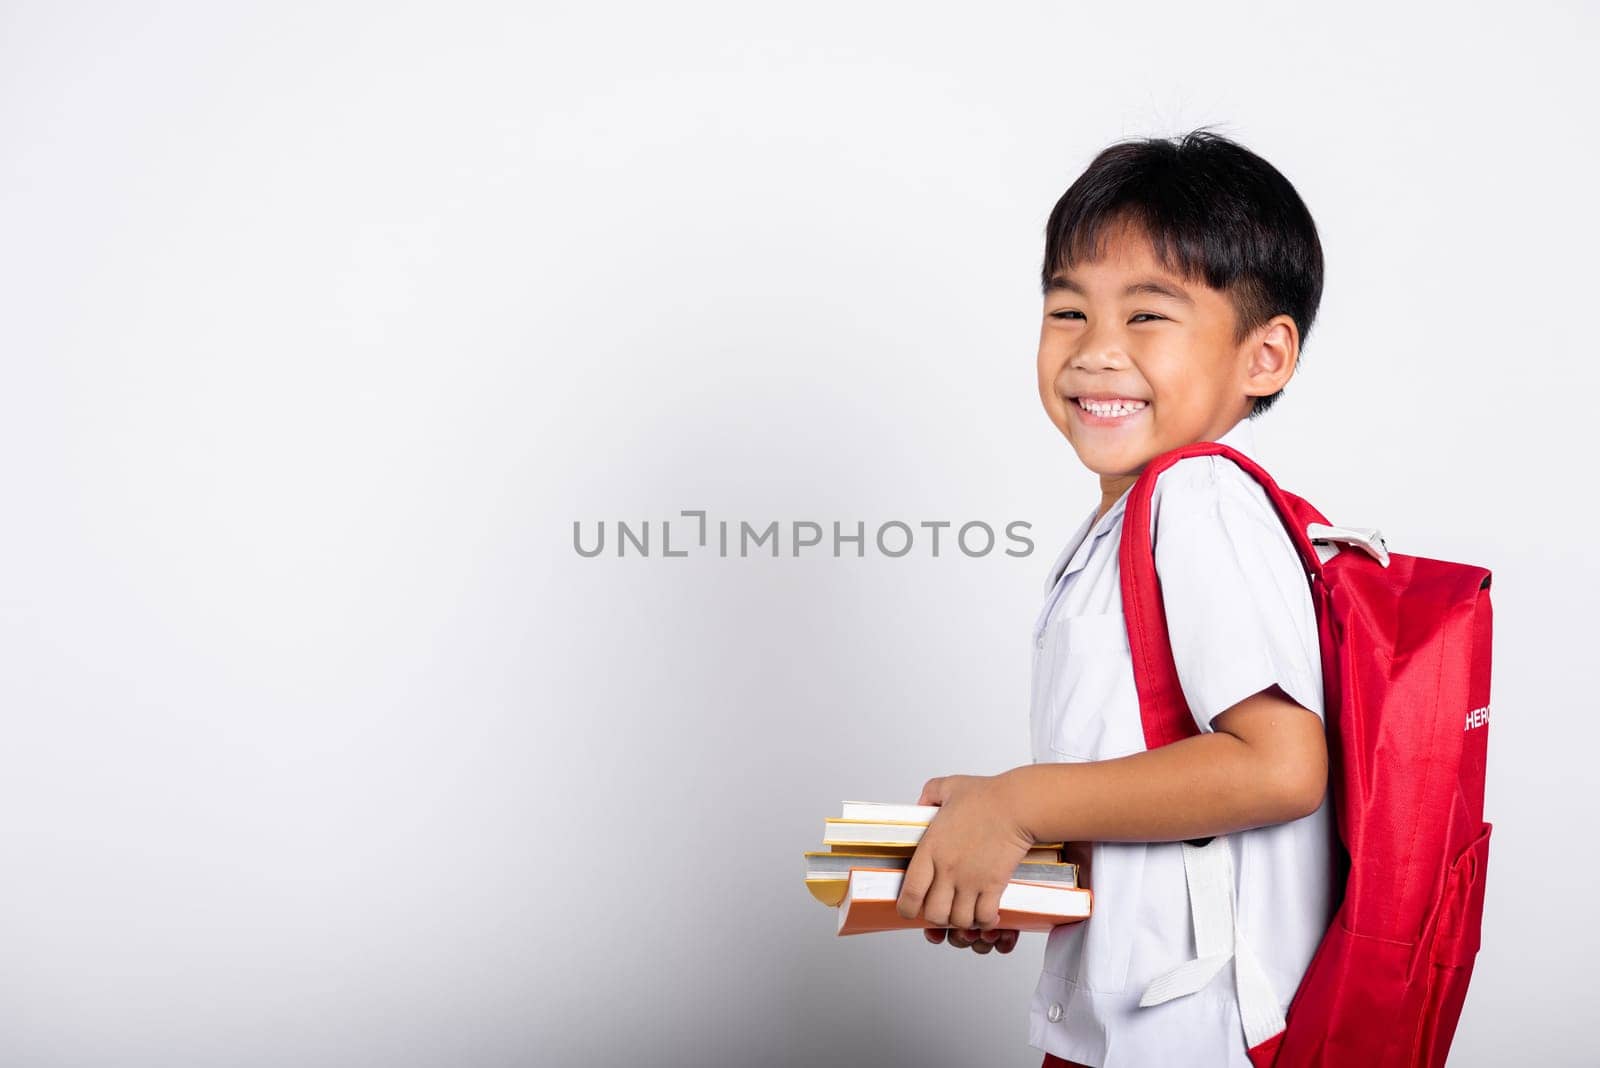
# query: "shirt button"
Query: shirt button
{"points": [[1039, 642], [1055, 1012]]}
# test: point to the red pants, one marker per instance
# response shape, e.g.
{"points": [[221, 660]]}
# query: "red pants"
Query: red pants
{"points": [[1052, 1061]]}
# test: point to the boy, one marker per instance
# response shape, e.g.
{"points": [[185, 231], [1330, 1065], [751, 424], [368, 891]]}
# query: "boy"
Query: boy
{"points": [[1180, 280]]}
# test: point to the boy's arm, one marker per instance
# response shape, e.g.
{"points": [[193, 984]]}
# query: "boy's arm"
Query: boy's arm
{"points": [[1264, 762]]}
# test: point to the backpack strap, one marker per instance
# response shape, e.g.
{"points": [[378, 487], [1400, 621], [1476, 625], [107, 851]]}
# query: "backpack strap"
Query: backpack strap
{"points": [[1218, 939], [1164, 711], [1162, 706], [1368, 539]]}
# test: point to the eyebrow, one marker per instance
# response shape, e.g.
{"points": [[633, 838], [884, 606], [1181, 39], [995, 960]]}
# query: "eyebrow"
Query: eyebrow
{"points": [[1150, 286]]}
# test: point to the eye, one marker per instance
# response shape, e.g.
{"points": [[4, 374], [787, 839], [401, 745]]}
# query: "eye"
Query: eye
{"points": [[1064, 314], [1152, 315]]}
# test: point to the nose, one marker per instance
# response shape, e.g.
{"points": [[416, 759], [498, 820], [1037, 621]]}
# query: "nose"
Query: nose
{"points": [[1099, 352], [1102, 346]]}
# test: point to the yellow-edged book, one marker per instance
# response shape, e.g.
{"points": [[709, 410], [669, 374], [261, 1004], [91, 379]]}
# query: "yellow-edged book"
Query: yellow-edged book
{"points": [[871, 845]]}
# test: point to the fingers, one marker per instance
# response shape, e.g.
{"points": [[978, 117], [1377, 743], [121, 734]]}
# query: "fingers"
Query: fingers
{"points": [[971, 938], [986, 910], [961, 909], [1001, 939], [936, 906], [972, 910], [914, 888]]}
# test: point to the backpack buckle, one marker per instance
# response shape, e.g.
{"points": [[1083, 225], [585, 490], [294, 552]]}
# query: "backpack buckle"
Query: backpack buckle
{"points": [[1368, 539]]}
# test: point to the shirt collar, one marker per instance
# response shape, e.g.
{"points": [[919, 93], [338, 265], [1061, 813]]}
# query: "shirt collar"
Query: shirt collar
{"points": [[1241, 437]]}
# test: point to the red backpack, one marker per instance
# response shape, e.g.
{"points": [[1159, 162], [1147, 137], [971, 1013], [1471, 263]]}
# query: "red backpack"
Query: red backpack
{"points": [[1405, 666]]}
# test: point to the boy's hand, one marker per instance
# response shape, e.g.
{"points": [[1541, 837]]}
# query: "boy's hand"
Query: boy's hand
{"points": [[1002, 938], [967, 855]]}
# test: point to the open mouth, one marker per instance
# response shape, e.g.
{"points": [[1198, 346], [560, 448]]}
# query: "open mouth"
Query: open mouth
{"points": [[1111, 407]]}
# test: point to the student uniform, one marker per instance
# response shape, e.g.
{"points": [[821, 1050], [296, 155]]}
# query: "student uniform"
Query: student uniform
{"points": [[1239, 612]]}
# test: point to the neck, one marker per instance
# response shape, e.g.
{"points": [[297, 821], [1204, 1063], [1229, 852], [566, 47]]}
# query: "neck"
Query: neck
{"points": [[1112, 487], [1111, 490]]}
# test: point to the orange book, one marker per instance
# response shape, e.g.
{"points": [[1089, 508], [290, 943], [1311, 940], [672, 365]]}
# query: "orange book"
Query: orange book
{"points": [[871, 894], [827, 874]]}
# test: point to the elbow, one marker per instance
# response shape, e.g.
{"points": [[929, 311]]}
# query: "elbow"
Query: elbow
{"points": [[1299, 789], [1284, 755]]}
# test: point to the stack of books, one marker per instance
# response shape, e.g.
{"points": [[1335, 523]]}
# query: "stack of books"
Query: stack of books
{"points": [[870, 847]]}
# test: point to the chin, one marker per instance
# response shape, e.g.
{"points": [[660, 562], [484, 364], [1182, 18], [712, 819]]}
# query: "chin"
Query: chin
{"points": [[1110, 465], [1116, 467]]}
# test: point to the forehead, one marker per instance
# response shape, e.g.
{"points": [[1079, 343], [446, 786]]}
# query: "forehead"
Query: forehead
{"points": [[1119, 246], [1123, 262]]}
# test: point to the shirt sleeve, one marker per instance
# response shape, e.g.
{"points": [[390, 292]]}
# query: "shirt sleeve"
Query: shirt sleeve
{"points": [[1234, 590]]}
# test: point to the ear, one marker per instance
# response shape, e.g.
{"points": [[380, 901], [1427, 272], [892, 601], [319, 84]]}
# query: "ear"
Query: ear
{"points": [[1273, 351]]}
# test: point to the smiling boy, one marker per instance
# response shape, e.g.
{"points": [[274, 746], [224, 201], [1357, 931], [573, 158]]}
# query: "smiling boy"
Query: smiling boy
{"points": [[1180, 279]]}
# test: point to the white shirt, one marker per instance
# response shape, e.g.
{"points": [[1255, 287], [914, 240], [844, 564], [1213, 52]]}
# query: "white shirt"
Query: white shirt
{"points": [[1239, 612]]}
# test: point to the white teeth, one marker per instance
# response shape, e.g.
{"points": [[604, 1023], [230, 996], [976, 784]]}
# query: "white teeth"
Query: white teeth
{"points": [[1115, 408]]}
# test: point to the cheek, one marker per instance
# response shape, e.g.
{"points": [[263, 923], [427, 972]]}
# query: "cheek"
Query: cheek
{"points": [[1049, 370], [1046, 368], [1170, 376], [1047, 391], [1051, 359]]}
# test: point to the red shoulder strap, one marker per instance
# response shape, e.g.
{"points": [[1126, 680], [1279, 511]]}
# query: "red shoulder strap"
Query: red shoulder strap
{"points": [[1162, 706]]}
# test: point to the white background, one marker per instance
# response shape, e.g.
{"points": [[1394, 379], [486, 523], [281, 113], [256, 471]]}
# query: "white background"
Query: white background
{"points": [[323, 323]]}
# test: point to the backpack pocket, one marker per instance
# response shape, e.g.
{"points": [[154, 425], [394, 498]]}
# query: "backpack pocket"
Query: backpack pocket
{"points": [[1458, 920]]}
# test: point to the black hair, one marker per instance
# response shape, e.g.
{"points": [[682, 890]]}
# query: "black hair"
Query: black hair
{"points": [[1212, 209]]}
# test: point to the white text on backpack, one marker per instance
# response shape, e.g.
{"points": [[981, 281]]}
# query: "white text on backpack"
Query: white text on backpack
{"points": [[1478, 717]]}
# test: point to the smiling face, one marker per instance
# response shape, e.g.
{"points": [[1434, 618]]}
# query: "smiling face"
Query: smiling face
{"points": [[1135, 360]]}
